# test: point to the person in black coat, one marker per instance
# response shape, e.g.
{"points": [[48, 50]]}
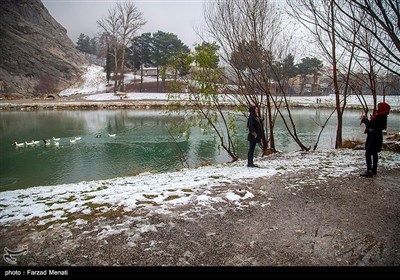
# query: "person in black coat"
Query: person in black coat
{"points": [[373, 144], [254, 136]]}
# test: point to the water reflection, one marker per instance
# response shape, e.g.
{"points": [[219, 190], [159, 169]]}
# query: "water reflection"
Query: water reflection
{"points": [[142, 143]]}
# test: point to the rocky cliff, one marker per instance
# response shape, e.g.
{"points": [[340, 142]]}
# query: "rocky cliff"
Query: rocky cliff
{"points": [[34, 47]]}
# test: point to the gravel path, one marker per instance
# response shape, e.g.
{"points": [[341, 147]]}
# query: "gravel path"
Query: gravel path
{"points": [[346, 221]]}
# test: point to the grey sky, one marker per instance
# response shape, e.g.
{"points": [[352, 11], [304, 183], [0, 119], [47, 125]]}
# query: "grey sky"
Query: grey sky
{"points": [[175, 16]]}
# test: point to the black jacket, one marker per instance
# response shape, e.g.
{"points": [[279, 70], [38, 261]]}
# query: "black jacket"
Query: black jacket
{"points": [[254, 125], [374, 129]]}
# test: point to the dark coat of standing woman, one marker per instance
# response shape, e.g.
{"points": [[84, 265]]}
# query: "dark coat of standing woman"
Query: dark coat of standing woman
{"points": [[254, 136], [373, 144]]}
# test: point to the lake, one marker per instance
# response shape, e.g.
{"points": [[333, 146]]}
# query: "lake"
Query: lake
{"points": [[142, 143]]}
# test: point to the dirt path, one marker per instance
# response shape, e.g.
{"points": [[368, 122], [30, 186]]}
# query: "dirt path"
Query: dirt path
{"points": [[348, 221]]}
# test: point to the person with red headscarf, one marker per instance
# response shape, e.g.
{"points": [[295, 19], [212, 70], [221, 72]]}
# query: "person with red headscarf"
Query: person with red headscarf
{"points": [[373, 144]]}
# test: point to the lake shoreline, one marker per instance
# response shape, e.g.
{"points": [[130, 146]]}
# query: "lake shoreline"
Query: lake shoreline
{"points": [[78, 103]]}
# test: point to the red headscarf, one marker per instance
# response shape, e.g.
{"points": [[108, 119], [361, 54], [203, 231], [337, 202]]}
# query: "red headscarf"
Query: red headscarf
{"points": [[383, 109]]}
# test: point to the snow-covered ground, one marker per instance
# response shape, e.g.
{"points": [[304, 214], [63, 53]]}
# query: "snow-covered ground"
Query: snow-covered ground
{"points": [[94, 80], [160, 191], [94, 89]]}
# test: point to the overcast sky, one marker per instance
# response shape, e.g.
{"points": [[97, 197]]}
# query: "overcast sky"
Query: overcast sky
{"points": [[174, 16]]}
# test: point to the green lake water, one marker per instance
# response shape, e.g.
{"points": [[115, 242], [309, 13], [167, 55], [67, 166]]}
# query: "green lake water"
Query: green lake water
{"points": [[143, 143]]}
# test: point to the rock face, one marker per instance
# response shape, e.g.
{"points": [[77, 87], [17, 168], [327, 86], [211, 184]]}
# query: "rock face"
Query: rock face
{"points": [[34, 47]]}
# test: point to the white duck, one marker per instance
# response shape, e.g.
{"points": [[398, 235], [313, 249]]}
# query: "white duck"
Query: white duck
{"points": [[56, 143], [29, 143], [78, 138], [111, 135], [72, 140], [18, 144], [56, 139]]}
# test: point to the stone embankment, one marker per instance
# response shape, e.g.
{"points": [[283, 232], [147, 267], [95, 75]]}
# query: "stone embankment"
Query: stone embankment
{"points": [[79, 103]]}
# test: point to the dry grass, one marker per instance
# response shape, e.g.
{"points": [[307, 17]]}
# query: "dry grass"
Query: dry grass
{"points": [[351, 144]]}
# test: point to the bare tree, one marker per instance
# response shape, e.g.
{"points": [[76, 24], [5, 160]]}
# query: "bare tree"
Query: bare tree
{"points": [[120, 25], [381, 20], [111, 24], [367, 69], [131, 21], [322, 20], [252, 38], [375, 41]]}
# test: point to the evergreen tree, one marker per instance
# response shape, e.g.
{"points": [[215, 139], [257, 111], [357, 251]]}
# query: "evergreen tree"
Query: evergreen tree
{"points": [[93, 46], [83, 43], [141, 50], [165, 45], [309, 66]]}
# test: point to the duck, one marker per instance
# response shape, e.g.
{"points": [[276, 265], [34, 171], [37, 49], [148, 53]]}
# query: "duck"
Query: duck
{"points": [[111, 135], [98, 136], [35, 142], [240, 192], [56, 143], [18, 144], [46, 142], [29, 143], [78, 138], [72, 140], [56, 139]]}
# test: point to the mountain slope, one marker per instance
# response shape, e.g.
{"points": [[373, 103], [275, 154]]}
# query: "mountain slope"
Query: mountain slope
{"points": [[34, 45]]}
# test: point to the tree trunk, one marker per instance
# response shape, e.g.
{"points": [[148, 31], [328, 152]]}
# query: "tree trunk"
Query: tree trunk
{"points": [[339, 140], [141, 77], [115, 67], [123, 66], [271, 124], [158, 75], [163, 83]]}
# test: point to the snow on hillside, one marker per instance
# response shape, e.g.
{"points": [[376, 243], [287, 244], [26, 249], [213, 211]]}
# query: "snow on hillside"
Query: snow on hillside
{"points": [[93, 81]]}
